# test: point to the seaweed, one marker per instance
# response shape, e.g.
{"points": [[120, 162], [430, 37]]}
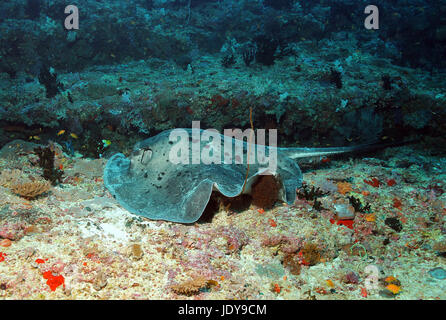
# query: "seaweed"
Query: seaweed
{"points": [[46, 162], [184, 61], [228, 61], [248, 55], [317, 205], [312, 195], [69, 97], [394, 223], [358, 206], [336, 78], [49, 80], [386, 82], [266, 50], [306, 193]]}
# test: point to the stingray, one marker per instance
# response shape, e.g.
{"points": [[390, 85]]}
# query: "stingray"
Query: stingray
{"points": [[162, 180]]}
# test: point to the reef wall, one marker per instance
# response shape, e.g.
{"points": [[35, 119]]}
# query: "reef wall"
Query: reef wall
{"points": [[309, 69]]}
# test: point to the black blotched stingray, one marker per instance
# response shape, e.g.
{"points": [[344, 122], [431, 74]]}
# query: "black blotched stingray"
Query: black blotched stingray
{"points": [[152, 183]]}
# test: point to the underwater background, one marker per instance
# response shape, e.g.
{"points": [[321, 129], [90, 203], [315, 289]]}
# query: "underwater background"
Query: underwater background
{"points": [[367, 225]]}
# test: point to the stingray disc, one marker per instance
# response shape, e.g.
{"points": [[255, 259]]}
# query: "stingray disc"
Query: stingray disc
{"points": [[171, 176]]}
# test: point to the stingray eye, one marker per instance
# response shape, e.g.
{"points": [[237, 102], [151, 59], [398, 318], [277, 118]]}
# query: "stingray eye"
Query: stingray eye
{"points": [[146, 155]]}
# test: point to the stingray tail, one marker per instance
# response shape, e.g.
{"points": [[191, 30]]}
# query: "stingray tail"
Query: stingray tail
{"points": [[298, 153]]}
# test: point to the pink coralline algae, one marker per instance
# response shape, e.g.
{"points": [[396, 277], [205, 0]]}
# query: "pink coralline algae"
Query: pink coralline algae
{"points": [[12, 231], [352, 278], [288, 244], [236, 238]]}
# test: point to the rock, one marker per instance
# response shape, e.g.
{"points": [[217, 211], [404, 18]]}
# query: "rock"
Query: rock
{"points": [[394, 223], [351, 277], [15, 224], [136, 251], [438, 273], [100, 281], [11, 231], [344, 211]]}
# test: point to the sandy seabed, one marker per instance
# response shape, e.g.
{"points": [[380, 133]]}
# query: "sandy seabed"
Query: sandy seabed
{"points": [[77, 242]]}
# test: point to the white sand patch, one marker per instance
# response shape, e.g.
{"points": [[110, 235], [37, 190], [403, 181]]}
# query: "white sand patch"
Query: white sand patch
{"points": [[113, 229]]}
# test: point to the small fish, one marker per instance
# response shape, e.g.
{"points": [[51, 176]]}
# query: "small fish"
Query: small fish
{"points": [[325, 160], [74, 136], [34, 137], [61, 132], [106, 143]]}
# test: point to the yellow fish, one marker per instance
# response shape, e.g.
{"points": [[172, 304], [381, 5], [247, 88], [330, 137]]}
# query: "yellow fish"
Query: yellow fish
{"points": [[106, 143], [34, 137], [73, 135], [61, 132]]}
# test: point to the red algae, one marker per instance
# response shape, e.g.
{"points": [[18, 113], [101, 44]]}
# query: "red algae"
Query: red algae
{"points": [[391, 182], [5, 243], [397, 203], [53, 281], [272, 223], [347, 223], [374, 182]]}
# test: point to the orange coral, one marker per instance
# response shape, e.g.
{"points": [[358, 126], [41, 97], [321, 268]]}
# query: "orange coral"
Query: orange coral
{"points": [[30, 190], [393, 288], [5, 243], [344, 187], [329, 283], [276, 288], [136, 251], [192, 287]]}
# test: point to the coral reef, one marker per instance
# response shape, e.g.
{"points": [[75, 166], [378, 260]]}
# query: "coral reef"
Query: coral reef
{"points": [[31, 190], [367, 226], [9, 177], [191, 287], [46, 162], [95, 248], [360, 84], [48, 78]]}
